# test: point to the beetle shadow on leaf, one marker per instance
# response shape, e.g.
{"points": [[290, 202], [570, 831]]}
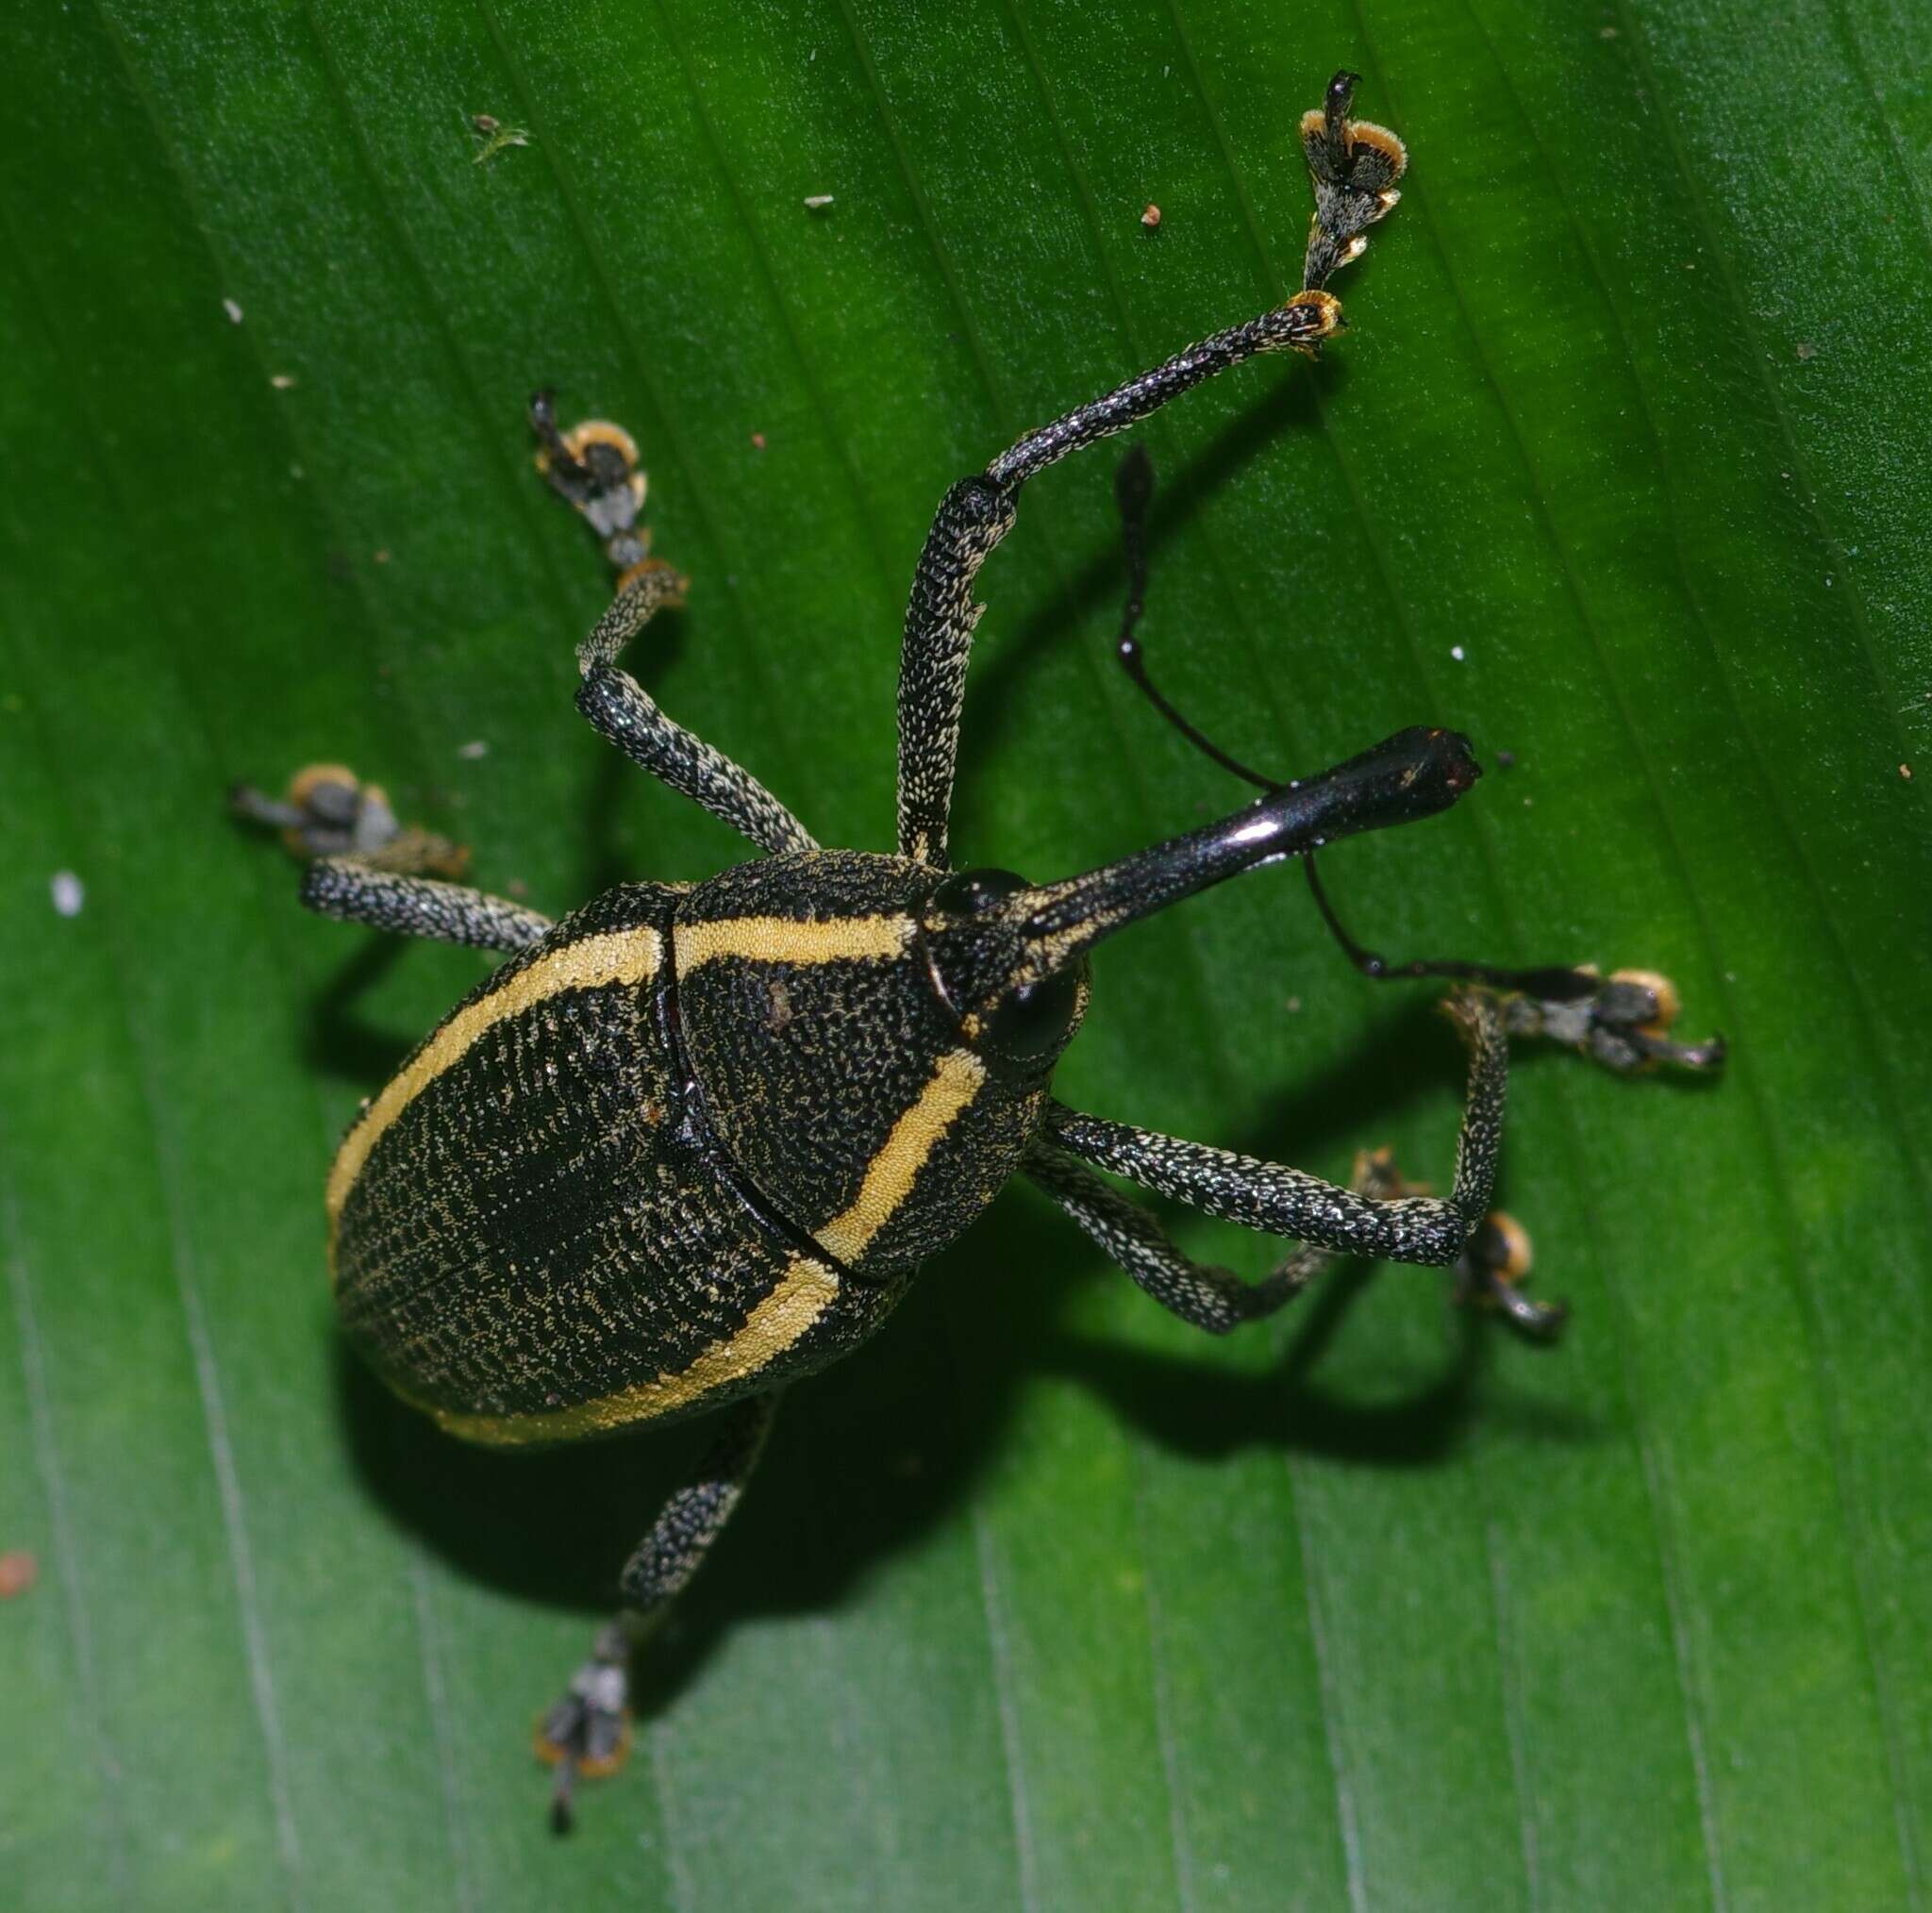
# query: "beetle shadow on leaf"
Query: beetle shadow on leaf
{"points": [[339, 1043], [862, 1461]]}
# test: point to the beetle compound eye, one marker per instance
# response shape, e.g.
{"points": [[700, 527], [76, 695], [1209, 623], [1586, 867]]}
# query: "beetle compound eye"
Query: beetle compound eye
{"points": [[1036, 1019], [972, 892]]}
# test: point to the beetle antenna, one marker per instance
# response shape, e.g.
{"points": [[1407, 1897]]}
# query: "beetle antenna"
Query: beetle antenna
{"points": [[1133, 490], [1552, 983]]}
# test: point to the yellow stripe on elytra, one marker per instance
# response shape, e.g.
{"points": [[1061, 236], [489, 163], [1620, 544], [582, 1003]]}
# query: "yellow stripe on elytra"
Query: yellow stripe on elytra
{"points": [[803, 1293], [784, 940], [889, 1175], [615, 956]]}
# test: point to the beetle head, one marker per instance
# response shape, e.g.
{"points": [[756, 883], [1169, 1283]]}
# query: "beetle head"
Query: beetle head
{"points": [[1009, 959], [1015, 1014]]}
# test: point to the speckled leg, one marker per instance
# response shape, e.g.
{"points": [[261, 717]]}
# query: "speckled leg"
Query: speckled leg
{"points": [[1488, 1274], [1354, 165], [622, 711], [588, 1732], [1279, 1201], [354, 891], [1211, 1298]]}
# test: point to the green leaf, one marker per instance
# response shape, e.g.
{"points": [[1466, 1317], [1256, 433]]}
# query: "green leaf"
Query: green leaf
{"points": [[1041, 1601]]}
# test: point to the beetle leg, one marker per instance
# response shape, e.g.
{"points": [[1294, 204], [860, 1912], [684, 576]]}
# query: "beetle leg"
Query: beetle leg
{"points": [[1280, 1201], [593, 466], [1354, 165], [1211, 1298], [621, 712], [363, 867], [587, 1733], [1219, 1301], [354, 891]]}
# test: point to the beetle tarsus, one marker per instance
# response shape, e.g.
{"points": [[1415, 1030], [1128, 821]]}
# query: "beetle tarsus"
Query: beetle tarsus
{"points": [[1494, 1266], [593, 467], [1621, 1021], [329, 811], [587, 1733]]}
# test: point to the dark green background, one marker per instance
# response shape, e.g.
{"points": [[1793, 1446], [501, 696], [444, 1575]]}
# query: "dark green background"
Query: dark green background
{"points": [[1043, 1602]]}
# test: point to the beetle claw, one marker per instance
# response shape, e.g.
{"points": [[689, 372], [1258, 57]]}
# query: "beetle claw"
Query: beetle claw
{"points": [[587, 1733], [1490, 1274]]}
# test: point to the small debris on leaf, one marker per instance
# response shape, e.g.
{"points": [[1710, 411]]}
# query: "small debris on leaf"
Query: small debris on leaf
{"points": [[19, 1571], [68, 891], [1905, 771], [817, 202], [233, 311], [282, 381], [757, 441], [1807, 350], [495, 137], [1455, 652], [476, 747], [1151, 218]]}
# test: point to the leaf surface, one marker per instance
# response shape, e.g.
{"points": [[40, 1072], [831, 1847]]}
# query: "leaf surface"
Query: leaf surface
{"points": [[1041, 1601]]}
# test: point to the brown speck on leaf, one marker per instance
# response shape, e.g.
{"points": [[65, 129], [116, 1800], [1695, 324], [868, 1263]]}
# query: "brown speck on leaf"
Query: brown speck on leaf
{"points": [[19, 1571], [1807, 350], [1151, 218], [1905, 771], [516, 887], [1606, 33], [485, 124], [382, 557], [757, 442]]}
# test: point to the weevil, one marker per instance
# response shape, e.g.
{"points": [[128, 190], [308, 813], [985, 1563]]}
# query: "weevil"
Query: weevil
{"points": [[694, 1141]]}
